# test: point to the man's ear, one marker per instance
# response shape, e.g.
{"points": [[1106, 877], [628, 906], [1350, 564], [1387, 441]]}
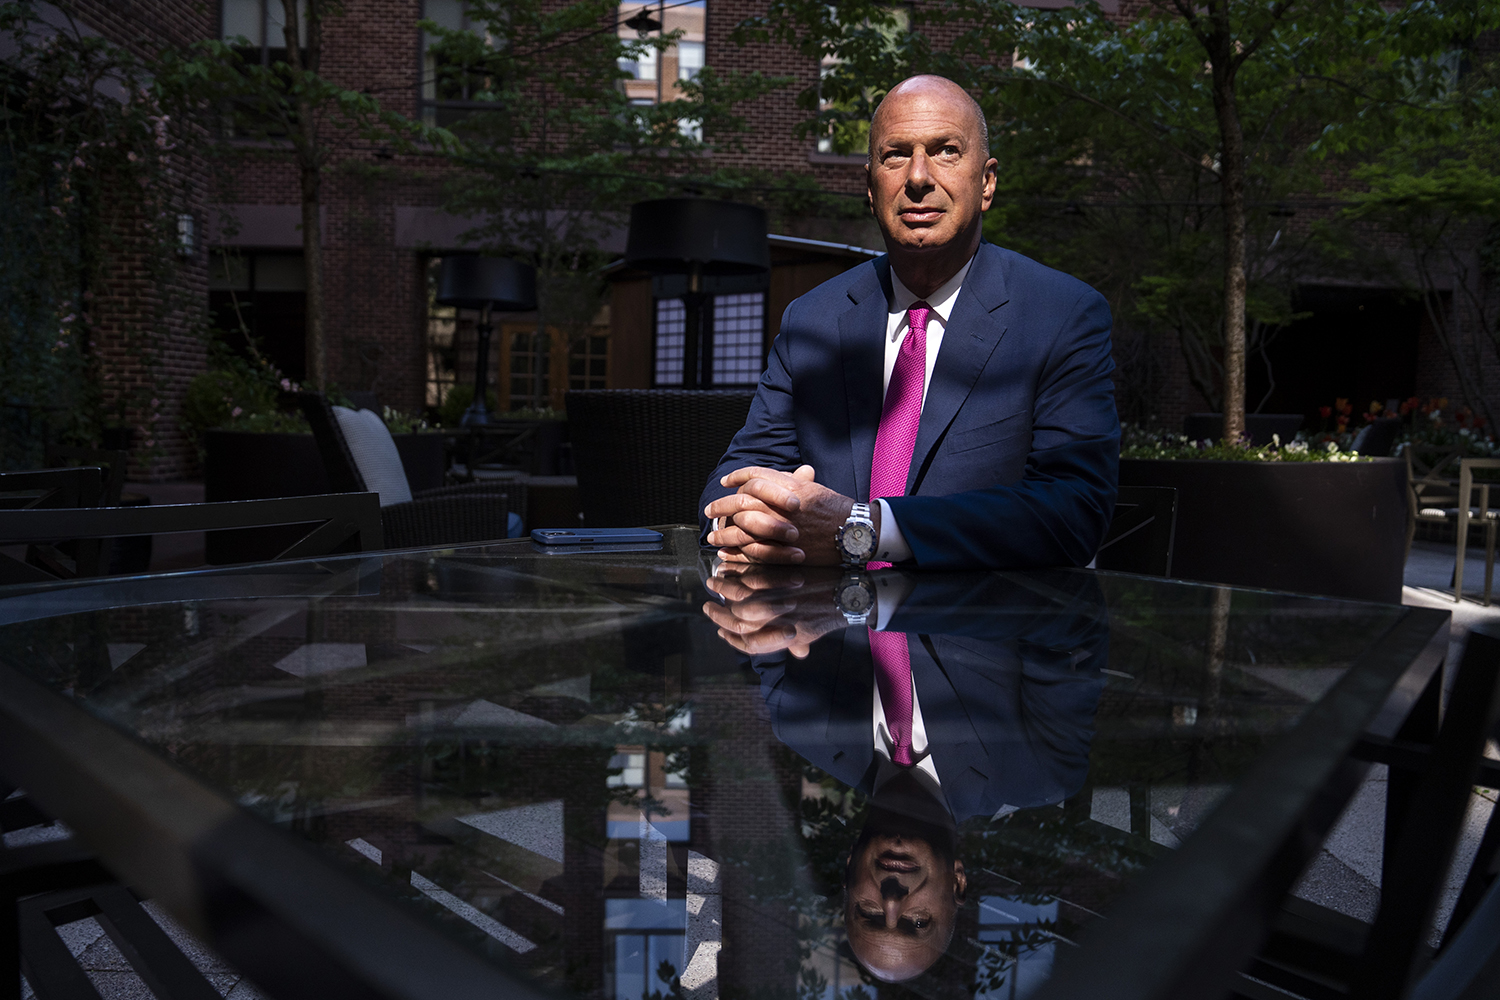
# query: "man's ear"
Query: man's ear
{"points": [[960, 882], [869, 194]]}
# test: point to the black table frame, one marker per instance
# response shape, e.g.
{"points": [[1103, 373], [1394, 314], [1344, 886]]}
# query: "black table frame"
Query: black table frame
{"points": [[301, 928]]}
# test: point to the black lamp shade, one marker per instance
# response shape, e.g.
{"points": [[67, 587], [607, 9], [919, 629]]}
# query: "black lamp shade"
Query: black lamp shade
{"points": [[473, 282], [671, 235]]}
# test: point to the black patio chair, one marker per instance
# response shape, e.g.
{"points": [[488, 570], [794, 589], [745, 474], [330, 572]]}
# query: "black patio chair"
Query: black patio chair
{"points": [[1378, 437], [56, 881], [448, 515], [1140, 533], [113, 464], [52, 489], [643, 455], [339, 522]]}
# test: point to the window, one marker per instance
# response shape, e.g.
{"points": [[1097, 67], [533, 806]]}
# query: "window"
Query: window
{"points": [[261, 298], [851, 136], [448, 96], [530, 385], [653, 75], [671, 321], [257, 28], [735, 353], [739, 329], [632, 767], [689, 60], [642, 67], [588, 363], [442, 342], [646, 933]]}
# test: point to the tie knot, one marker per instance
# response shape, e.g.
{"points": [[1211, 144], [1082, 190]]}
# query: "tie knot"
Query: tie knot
{"points": [[917, 316]]}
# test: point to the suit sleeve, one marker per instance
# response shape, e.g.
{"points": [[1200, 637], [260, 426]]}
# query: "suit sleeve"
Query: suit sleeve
{"points": [[769, 437], [1058, 512]]}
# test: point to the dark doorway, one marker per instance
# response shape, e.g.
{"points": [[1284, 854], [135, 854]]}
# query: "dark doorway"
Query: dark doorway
{"points": [[262, 296], [1359, 344]]}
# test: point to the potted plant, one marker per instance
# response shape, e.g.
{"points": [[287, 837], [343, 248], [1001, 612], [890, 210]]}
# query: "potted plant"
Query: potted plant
{"points": [[538, 434], [1307, 516], [252, 449]]}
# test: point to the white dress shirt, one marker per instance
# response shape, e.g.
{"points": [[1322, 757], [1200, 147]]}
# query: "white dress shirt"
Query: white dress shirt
{"points": [[926, 767], [891, 546]]}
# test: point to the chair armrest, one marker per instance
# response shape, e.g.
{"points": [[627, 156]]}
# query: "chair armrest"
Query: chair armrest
{"points": [[446, 520], [508, 488]]}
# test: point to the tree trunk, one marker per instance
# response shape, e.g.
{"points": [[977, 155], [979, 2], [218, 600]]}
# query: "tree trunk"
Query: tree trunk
{"points": [[312, 263], [1232, 202], [310, 169]]}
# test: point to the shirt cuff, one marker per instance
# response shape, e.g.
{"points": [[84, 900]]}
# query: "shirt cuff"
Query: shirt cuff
{"points": [[891, 547], [891, 589]]}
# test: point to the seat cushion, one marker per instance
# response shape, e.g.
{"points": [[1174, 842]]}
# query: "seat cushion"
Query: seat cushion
{"points": [[374, 454]]}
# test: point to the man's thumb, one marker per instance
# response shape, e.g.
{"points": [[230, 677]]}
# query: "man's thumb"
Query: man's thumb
{"points": [[806, 473]]}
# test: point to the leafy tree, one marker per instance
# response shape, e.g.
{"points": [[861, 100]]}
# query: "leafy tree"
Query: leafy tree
{"points": [[288, 100], [1156, 157], [89, 172], [1433, 183], [553, 152]]}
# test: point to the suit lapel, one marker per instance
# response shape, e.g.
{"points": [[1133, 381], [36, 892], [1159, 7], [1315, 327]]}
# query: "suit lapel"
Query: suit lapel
{"points": [[862, 350], [974, 329]]}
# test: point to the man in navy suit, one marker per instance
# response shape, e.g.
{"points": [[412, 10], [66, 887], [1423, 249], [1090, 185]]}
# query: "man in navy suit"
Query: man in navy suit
{"points": [[1005, 681], [947, 405]]}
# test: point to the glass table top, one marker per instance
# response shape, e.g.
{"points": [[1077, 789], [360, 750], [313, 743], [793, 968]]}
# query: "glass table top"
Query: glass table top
{"points": [[629, 777]]}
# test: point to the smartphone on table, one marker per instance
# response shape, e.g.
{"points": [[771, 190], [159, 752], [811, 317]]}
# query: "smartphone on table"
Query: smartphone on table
{"points": [[595, 536]]}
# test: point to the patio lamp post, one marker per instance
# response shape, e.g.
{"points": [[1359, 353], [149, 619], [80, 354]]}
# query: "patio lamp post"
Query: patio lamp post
{"points": [[698, 238], [487, 284]]}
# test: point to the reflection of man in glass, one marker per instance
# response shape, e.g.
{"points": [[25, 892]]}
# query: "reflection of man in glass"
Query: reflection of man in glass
{"points": [[963, 696], [904, 882]]}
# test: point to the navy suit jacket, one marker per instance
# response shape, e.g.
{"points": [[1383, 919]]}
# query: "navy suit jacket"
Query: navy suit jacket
{"points": [[1016, 463], [1007, 675]]}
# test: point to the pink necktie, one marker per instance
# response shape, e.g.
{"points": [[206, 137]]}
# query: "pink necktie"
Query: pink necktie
{"points": [[901, 415], [893, 675]]}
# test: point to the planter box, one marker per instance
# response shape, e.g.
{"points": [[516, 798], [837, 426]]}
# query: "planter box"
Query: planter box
{"points": [[1260, 426], [239, 465], [1333, 528]]}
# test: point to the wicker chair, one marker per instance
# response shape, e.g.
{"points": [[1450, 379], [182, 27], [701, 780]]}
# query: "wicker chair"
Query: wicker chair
{"points": [[644, 455], [449, 515]]}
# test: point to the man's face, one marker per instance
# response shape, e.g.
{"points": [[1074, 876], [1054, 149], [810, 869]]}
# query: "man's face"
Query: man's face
{"points": [[902, 900], [930, 178]]}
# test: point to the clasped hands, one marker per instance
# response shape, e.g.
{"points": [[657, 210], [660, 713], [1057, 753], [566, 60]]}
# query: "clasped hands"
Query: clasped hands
{"points": [[768, 609], [780, 517]]}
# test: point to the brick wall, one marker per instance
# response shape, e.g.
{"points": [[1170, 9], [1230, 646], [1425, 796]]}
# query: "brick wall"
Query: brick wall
{"points": [[148, 327]]}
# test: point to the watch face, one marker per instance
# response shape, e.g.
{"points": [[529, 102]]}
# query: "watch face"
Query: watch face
{"points": [[854, 599], [858, 540]]}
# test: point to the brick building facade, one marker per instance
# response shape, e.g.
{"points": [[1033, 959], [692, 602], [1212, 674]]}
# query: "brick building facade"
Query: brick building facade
{"points": [[384, 221]]}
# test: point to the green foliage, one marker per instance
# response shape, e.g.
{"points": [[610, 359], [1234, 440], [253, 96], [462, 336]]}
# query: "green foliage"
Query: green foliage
{"points": [[1433, 182], [239, 393], [1108, 138], [553, 151], [87, 174], [457, 402], [1144, 442]]}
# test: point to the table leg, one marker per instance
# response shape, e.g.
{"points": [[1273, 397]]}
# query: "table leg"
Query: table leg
{"points": [[1421, 726]]}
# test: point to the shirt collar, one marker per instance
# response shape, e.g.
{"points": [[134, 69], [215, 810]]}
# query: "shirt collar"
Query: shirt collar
{"points": [[940, 301]]}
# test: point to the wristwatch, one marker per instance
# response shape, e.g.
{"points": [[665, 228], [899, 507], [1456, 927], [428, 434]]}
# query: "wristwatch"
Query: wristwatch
{"points": [[855, 539], [855, 597]]}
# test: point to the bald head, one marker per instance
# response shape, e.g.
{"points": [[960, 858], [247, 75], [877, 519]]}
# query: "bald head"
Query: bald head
{"points": [[931, 87], [931, 179]]}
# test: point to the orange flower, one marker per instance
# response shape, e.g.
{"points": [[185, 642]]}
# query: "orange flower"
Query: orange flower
{"points": [[1375, 406]]}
